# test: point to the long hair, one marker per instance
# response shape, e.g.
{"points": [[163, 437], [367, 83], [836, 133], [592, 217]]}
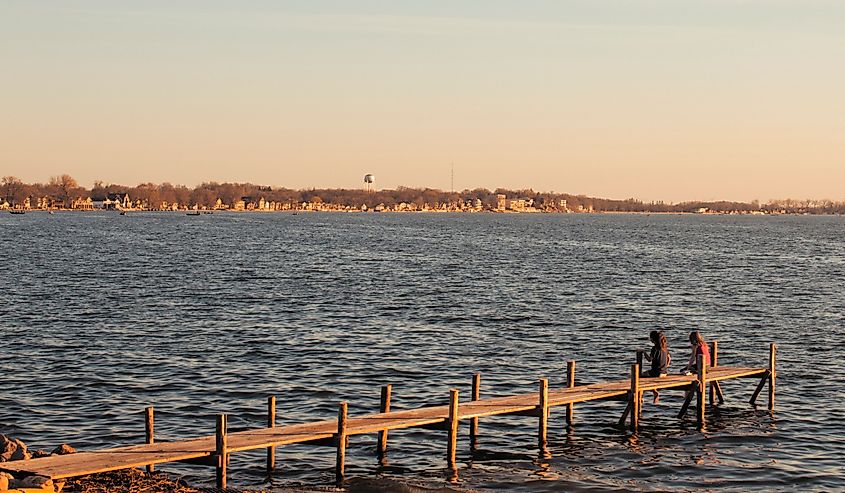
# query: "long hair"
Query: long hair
{"points": [[663, 344], [658, 338], [696, 339]]}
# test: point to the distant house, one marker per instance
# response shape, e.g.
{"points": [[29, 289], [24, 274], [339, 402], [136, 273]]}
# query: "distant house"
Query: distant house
{"points": [[501, 202], [81, 204], [117, 201], [4, 204]]}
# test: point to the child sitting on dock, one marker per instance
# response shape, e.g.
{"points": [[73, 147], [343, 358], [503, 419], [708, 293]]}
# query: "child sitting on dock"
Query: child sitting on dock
{"points": [[698, 347], [659, 357]]}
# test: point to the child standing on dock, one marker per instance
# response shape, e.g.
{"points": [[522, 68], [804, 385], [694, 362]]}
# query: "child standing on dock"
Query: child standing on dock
{"points": [[659, 357], [698, 347]]}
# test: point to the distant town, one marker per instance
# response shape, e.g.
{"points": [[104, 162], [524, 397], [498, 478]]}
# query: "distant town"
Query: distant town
{"points": [[64, 193]]}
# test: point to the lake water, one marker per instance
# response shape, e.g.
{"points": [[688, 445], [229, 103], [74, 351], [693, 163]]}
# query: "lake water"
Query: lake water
{"points": [[103, 315]]}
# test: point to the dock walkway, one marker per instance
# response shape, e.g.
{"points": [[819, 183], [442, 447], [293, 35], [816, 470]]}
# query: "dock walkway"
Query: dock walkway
{"points": [[214, 449]]}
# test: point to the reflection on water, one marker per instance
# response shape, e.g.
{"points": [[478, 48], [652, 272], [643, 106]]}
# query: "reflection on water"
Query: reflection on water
{"points": [[103, 315]]}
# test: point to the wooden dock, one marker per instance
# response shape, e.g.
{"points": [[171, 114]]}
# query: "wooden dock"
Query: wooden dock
{"points": [[213, 450]]}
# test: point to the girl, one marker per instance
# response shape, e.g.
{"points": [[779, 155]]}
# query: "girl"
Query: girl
{"points": [[659, 357], [698, 347]]}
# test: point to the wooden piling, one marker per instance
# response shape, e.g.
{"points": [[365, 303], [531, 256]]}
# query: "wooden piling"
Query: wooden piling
{"points": [[452, 424], [221, 450], [700, 391], [570, 383], [271, 423], [773, 349], [384, 407], [635, 397], [640, 356], [714, 355], [340, 442], [149, 430], [473, 423], [543, 410]]}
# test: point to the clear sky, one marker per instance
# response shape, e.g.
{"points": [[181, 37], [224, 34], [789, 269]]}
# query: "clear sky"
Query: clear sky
{"points": [[653, 99]]}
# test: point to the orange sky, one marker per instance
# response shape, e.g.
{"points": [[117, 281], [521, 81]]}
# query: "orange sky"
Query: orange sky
{"points": [[658, 100]]}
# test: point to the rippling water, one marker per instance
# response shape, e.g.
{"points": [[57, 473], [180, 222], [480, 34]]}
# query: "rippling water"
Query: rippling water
{"points": [[102, 315]]}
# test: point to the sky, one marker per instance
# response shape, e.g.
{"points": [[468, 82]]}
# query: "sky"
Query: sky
{"points": [[652, 99]]}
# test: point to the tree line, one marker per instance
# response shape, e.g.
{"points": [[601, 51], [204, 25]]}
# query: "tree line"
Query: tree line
{"points": [[64, 189]]}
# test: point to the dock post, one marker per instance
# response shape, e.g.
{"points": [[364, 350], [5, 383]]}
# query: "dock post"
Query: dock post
{"points": [[340, 439], [543, 409], [473, 423], [640, 353], [149, 430], [220, 452], [714, 355], [773, 349], [384, 407], [570, 383], [635, 396], [271, 423], [702, 388], [452, 423]]}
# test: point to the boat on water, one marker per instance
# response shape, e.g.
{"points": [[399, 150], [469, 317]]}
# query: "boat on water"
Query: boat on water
{"points": [[17, 212], [122, 213], [193, 213]]}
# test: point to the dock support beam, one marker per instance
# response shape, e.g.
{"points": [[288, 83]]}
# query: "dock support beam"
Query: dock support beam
{"points": [[271, 423], [384, 407], [473, 423], [773, 349], [452, 423], [221, 450], [149, 430], [543, 410], [701, 390], [340, 442], [635, 397], [570, 383]]}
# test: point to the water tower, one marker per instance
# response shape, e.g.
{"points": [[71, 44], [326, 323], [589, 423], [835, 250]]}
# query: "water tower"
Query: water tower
{"points": [[369, 179]]}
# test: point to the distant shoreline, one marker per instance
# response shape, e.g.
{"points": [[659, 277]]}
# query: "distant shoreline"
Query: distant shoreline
{"points": [[358, 211]]}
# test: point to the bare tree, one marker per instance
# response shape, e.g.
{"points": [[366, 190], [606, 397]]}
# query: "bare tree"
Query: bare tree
{"points": [[65, 186], [13, 189]]}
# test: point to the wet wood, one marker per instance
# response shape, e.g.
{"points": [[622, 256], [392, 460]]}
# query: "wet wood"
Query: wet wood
{"points": [[701, 365], [763, 382], [473, 422], [687, 401], [714, 358], [149, 431], [271, 423], [221, 450], [570, 384], [453, 419], [384, 408], [340, 442], [719, 393], [543, 414], [773, 349], [635, 397]]}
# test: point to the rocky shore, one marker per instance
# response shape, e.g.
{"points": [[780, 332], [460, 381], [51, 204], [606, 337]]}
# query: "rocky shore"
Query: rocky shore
{"points": [[129, 480]]}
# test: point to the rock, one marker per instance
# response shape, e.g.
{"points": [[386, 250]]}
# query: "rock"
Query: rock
{"points": [[40, 453], [5, 480], [12, 449], [63, 449], [41, 482]]}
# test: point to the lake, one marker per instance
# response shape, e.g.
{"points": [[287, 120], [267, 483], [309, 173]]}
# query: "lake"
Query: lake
{"points": [[103, 315]]}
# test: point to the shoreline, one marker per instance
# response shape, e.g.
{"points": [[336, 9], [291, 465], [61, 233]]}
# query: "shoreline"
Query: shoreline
{"points": [[209, 212]]}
